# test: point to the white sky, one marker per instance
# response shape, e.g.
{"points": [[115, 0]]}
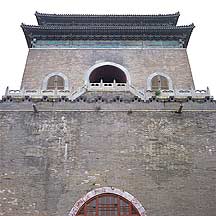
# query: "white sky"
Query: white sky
{"points": [[201, 47]]}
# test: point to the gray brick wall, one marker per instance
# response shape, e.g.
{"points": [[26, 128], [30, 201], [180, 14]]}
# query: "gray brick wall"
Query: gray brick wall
{"points": [[166, 160], [74, 63]]}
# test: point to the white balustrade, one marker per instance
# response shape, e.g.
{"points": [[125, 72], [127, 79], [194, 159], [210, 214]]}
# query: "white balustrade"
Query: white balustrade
{"points": [[179, 94], [107, 86]]}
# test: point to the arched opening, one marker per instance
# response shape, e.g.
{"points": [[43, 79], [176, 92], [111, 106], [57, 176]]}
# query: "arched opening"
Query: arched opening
{"points": [[107, 201], [108, 205], [55, 82], [159, 82], [107, 73]]}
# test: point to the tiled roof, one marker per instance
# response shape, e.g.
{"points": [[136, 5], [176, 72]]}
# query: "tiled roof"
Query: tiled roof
{"points": [[164, 19]]}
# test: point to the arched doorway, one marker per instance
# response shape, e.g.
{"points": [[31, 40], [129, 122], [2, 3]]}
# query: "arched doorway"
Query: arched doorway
{"points": [[108, 205], [107, 201], [107, 74]]}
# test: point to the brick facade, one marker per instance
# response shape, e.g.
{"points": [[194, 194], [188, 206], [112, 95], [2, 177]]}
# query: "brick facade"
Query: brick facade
{"points": [[51, 159], [140, 63]]}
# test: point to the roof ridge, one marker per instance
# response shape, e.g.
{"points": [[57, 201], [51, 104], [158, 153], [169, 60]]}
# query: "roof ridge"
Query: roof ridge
{"points": [[177, 14]]}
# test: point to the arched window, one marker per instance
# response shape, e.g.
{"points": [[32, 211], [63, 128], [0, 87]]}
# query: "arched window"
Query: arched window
{"points": [[108, 205], [55, 82], [159, 82]]}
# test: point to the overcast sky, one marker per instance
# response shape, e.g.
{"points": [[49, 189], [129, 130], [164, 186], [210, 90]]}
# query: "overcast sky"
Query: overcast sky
{"points": [[201, 49]]}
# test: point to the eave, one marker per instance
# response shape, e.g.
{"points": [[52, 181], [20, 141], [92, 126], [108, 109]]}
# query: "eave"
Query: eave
{"points": [[107, 33]]}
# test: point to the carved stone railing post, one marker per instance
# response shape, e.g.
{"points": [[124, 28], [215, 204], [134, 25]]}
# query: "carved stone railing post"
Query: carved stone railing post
{"points": [[101, 83], [114, 83], [208, 91], [6, 91]]}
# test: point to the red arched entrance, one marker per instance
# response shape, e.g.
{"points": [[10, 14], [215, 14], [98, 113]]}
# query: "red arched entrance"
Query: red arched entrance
{"points": [[108, 205], [107, 201]]}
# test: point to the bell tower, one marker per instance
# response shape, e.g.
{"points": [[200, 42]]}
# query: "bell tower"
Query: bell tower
{"points": [[107, 121]]}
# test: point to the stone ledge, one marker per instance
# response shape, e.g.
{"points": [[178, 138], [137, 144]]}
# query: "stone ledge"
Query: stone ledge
{"points": [[99, 106]]}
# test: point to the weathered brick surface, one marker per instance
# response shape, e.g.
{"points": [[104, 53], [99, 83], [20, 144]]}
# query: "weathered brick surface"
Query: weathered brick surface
{"points": [[75, 63], [51, 159]]}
